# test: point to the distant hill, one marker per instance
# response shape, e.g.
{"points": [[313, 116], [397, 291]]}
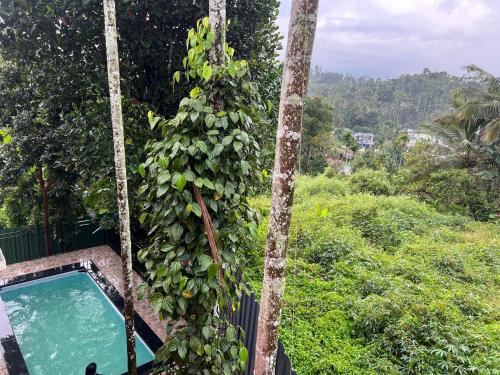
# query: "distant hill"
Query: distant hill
{"points": [[384, 107]]}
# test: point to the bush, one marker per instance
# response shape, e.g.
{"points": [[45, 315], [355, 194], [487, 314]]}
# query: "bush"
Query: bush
{"points": [[455, 191], [309, 186], [372, 181]]}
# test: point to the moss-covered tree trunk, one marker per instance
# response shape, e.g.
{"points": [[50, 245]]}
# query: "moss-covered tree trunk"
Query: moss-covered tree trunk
{"points": [[217, 15], [121, 176], [295, 77]]}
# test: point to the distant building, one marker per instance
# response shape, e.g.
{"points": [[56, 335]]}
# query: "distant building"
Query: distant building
{"points": [[365, 140], [413, 138]]}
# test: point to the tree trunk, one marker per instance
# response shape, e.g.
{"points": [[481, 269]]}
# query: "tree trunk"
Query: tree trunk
{"points": [[121, 176], [45, 210], [217, 15], [295, 78]]}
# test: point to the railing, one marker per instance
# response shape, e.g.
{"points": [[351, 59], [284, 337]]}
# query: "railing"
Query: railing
{"points": [[19, 245], [247, 318]]}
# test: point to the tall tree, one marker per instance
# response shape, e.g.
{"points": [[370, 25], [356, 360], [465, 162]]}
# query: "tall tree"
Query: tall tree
{"points": [[295, 78], [121, 176]]}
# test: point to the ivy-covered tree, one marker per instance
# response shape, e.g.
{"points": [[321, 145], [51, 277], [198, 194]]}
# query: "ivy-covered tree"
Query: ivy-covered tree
{"points": [[214, 151]]}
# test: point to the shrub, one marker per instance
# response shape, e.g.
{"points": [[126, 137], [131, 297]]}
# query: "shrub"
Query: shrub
{"points": [[456, 191], [373, 182], [309, 186]]}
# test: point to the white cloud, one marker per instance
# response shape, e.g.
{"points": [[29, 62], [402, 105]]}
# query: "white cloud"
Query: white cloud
{"points": [[389, 37]]}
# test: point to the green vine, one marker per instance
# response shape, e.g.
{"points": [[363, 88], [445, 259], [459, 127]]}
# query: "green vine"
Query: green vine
{"points": [[214, 152]]}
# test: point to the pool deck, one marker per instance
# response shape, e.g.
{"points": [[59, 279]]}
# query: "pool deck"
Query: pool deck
{"points": [[108, 262]]}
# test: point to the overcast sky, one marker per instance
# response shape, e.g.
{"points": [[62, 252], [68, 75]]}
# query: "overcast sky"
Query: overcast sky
{"points": [[385, 38]]}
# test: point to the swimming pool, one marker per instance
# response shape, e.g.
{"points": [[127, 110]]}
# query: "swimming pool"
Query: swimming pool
{"points": [[64, 322]]}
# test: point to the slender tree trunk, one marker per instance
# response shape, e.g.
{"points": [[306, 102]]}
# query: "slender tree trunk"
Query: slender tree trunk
{"points": [[121, 176], [45, 209], [217, 15], [295, 78]]}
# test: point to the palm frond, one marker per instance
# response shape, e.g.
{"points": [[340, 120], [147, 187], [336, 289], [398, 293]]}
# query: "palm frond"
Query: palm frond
{"points": [[491, 133]]}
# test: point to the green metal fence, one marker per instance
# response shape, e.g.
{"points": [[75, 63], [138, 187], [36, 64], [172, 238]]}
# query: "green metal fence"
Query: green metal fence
{"points": [[19, 245]]}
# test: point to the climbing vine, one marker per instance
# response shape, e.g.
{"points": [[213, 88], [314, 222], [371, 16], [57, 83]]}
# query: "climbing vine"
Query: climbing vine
{"points": [[209, 147]]}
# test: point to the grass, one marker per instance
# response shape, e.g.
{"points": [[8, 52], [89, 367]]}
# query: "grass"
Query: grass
{"points": [[384, 285]]}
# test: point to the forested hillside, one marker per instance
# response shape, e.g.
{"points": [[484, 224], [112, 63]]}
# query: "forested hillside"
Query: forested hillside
{"points": [[384, 107]]}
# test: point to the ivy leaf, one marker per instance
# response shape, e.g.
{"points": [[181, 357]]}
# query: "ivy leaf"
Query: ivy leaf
{"points": [[189, 175], [176, 232], [202, 146], [207, 73], [163, 162], [187, 294], [205, 261], [198, 181], [243, 354], [196, 209], [194, 116], [194, 92], [143, 217], [234, 117], [163, 177], [212, 270], [168, 304], [182, 282], [209, 120], [237, 146], [206, 332], [141, 170], [141, 290], [177, 76], [182, 351], [156, 301], [227, 140], [181, 182], [231, 333], [153, 120], [208, 184], [217, 150], [161, 191]]}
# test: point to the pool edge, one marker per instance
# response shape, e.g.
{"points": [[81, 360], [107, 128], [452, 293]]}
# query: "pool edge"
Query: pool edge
{"points": [[152, 341]]}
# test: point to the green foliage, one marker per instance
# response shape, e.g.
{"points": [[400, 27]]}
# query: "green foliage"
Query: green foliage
{"points": [[309, 186], [317, 135], [454, 190], [385, 285], [54, 87], [372, 181], [216, 152]]}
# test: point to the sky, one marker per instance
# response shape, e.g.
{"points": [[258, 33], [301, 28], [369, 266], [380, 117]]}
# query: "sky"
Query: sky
{"points": [[387, 38]]}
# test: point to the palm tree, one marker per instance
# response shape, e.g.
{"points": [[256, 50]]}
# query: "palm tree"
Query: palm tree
{"points": [[472, 130]]}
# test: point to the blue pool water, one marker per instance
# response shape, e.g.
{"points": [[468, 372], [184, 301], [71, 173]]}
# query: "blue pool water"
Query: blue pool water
{"points": [[65, 322]]}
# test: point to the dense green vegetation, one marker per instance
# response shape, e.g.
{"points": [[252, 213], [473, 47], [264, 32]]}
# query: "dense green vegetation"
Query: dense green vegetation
{"points": [[54, 108], [394, 255], [384, 285], [384, 107]]}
